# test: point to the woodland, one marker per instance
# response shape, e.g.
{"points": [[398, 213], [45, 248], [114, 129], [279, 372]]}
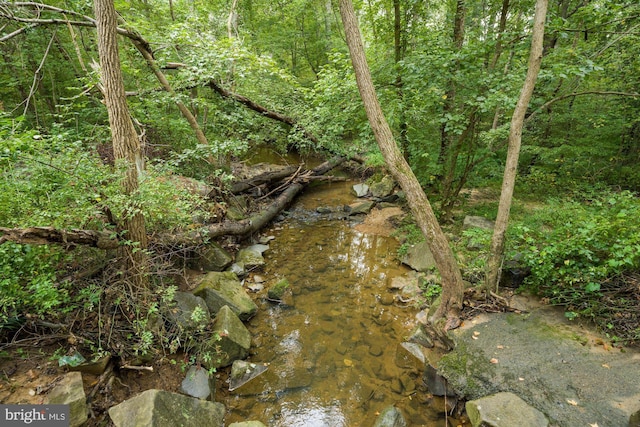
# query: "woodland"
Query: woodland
{"points": [[122, 124]]}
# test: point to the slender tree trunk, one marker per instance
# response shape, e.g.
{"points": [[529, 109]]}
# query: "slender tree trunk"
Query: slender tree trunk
{"points": [[399, 48], [494, 264], [447, 315], [458, 40], [186, 113], [126, 145]]}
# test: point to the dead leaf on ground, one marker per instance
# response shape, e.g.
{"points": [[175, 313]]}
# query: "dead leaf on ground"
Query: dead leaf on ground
{"points": [[572, 402], [494, 360]]}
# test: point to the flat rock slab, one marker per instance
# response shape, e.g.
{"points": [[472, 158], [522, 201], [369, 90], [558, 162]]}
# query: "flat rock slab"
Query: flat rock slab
{"points": [[550, 362], [504, 410]]}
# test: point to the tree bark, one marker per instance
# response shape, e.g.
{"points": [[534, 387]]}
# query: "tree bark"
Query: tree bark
{"points": [[494, 263], [126, 145], [447, 315]]}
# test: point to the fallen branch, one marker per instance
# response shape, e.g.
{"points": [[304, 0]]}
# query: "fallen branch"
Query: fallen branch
{"points": [[263, 178], [261, 110], [47, 235]]}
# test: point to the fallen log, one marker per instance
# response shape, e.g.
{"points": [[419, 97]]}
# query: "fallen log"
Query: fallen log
{"points": [[263, 178], [107, 240], [259, 220], [48, 235]]}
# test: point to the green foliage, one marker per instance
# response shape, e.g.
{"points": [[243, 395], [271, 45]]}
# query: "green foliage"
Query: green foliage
{"points": [[573, 247], [28, 282]]}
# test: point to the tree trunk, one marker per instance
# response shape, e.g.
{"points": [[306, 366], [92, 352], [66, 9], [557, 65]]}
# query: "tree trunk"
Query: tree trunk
{"points": [[126, 145], [494, 264], [452, 286]]}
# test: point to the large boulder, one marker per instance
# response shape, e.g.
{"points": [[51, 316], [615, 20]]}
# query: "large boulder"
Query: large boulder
{"points": [[212, 257], [360, 208], [235, 339], [224, 288], [70, 391], [189, 312], [383, 188], [251, 257], [360, 190], [198, 383], [159, 408], [419, 257], [410, 355], [504, 410], [477, 222], [545, 359]]}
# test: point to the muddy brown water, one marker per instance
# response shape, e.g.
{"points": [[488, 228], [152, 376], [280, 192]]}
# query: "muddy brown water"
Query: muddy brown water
{"points": [[331, 347]]}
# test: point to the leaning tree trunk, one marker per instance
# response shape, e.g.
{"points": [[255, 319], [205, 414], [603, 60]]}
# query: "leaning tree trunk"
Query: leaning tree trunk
{"points": [[126, 145], [494, 264], [447, 315]]}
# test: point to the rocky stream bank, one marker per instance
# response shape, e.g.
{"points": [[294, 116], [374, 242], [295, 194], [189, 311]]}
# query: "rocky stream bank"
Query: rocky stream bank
{"points": [[527, 367]]}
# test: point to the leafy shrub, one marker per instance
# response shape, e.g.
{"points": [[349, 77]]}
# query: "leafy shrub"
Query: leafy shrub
{"points": [[28, 281], [574, 247]]}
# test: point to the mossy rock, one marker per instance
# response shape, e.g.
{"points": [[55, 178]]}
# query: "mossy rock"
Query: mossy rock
{"points": [[468, 371], [276, 292]]}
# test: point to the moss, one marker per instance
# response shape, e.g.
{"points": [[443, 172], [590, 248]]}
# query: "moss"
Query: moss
{"points": [[467, 371], [277, 291]]}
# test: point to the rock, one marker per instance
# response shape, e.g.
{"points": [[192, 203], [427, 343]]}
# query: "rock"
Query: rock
{"points": [[361, 208], [419, 257], [242, 372], [360, 190], [514, 271], [235, 339], [70, 391], [96, 367], [420, 337], [409, 356], [436, 384], [190, 312], [383, 188], [477, 222], [276, 291], [390, 417], [212, 258], [543, 358], [247, 424], [159, 408], [238, 269], [504, 410], [198, 383], [251, 257], [224, 288]]}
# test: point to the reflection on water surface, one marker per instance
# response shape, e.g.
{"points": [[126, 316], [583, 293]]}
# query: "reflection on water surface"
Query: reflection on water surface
{"points": [[331, 346]]}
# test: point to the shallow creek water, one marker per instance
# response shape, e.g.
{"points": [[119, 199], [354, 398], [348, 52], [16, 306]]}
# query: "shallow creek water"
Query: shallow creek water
{"points": [[331, 347]]}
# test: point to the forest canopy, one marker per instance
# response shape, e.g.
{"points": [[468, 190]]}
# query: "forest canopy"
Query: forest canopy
{"points": [[208, 82]]}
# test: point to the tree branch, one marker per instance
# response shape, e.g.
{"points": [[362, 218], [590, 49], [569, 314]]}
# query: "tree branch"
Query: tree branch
{"points": [[571, 95], [260, 109]]}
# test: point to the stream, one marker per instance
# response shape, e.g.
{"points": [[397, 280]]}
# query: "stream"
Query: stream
{"points": [[331, 346]]}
